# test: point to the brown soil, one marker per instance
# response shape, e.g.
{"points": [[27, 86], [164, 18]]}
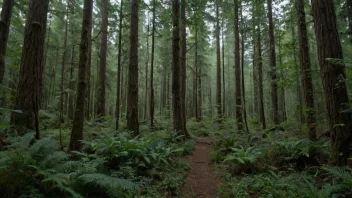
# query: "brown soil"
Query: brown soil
{"points": [[201, 181]]}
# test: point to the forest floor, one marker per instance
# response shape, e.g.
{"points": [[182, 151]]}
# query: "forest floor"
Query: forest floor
{"points": [[201, 181]]}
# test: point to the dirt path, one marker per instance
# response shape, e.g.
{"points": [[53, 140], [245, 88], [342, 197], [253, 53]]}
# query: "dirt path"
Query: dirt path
{"points": [[201, 181]]}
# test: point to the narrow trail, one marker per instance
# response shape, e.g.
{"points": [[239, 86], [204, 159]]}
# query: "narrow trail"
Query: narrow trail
{"points": [[201, 181]]}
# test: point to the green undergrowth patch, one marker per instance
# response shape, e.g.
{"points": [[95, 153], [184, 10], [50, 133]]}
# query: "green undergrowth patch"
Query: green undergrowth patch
{"points": [[281, 163], [111, 164]]}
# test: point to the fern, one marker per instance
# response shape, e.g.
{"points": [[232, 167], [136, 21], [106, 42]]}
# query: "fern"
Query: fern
{"points": [[108, 182]]}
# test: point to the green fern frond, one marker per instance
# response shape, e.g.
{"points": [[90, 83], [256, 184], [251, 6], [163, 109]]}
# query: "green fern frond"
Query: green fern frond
{"points": [[43, 147], [108, 182]]}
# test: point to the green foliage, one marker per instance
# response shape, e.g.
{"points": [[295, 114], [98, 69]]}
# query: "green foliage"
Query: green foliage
{"points": [[244, 159], [300, 152], [28, 165]]}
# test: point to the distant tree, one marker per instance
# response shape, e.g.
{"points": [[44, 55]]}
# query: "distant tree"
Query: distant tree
{"points": [[239, 110], [218, 64], [118, 91]]}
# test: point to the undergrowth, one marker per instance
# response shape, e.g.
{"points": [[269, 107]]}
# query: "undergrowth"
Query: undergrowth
{"points": [[111, 164]]}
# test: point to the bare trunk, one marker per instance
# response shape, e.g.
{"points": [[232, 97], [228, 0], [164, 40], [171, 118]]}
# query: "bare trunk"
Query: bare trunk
{"points": [[78, 121], [62, 87], [183, 61], [274, 95], [132, 98], [179, 126], [260, 80], [103, 51], [218, 66], [333, 77], [5, 21], [30, 86], [238, 94], [151, 102], [118, 91], [307, 83]]}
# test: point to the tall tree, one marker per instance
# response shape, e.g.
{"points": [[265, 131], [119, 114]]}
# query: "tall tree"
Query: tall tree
{"points": [[260, 69], [304, 58], [218, 64], [132, 98], [118, 91], [274, 94], [238, 94], [6, 13], [151, 106], [176, 84], [30, 86], [78, 120], [102, 54], [334, 80], [183, 61], [63, 61]]}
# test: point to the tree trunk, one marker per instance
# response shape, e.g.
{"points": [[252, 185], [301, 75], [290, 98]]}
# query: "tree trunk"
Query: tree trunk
{"points": [[242, 73], [349, 10], [218, 65], [146, 76], [238, 94], [260, 79], [78, 121], [179, 126], [195, 86], [118, 91], [62, 86], [300, 115], [151, 102], [132, 98], [30, 84], [304, 58], [274, 95], [183, 61], [5, 21], [333, 77], [70, 110], [103, 51], [223, 68]]}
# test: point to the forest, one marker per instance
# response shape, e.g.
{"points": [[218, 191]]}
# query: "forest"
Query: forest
{"points": [[175, 98]]}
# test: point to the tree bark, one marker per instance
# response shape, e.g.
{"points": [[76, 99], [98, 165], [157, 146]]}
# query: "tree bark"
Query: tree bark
{"points": [[218, 66], [146, 76], [304, 58], [179, 126], [62, 86], [239, 110], [132, 97], [223, 68], [30, 84], [260, 78], [151, 102], [274, 95], [333, 78], [118, 91], [242, 73], [103, 54], [78, 121], [70, 110], [183, 61], [6, 14]]}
